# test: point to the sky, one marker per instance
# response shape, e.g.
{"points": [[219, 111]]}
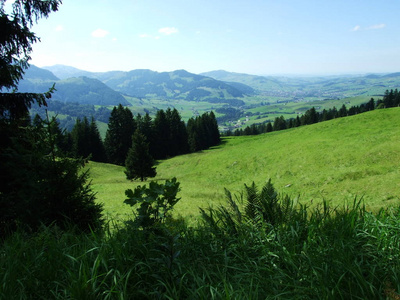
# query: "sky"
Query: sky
{"points": [[263, 37]]}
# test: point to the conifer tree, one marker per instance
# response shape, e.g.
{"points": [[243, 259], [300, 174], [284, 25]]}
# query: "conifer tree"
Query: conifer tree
{"points": [[269, 127], [38, 184], [16, 39], [139, 164], [121, 127], [161, 135], [178, 140], [342, 111], [80, 138], [96, 144]]}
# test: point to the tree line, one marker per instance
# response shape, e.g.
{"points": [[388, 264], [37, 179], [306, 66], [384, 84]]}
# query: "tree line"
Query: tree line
{"points": [[390, 99], [167, 135]]}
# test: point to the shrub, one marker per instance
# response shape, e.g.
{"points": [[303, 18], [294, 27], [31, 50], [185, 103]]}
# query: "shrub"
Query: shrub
{"points": [[154, 202], [38, 185]]}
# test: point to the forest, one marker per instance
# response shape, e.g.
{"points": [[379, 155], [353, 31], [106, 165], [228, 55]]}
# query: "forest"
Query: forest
{"points": [[167, 135], [56, 242]]}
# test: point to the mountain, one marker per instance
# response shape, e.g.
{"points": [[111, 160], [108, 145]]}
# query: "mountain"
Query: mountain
{"points": [[83, 90], [180, 84], [256, 82], [35, 73], [397, 74], [87, 90], [320, 87], [64, 72], [213, 87]]}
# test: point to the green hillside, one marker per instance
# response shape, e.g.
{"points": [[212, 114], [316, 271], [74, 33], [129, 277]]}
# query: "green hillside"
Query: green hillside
{"points": [[336, 160]]}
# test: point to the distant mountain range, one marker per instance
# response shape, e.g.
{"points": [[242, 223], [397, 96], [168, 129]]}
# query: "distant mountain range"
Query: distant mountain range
{"points": [[114, 87], [143, 83], [83, 90]]}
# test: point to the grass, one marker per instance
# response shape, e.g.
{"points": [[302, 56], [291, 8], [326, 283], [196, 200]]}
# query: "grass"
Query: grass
{"points": [[323, 253], [335, 249], [335, 161]]}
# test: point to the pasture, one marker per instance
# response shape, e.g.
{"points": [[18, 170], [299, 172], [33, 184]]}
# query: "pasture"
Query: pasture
{"points": [[336, 161]]}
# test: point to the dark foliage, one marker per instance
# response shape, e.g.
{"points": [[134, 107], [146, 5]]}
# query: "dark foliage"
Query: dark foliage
{"points": [[121, 127], [38, 184], [41, 186], [203, 132], [139, 164], [86, 141]]}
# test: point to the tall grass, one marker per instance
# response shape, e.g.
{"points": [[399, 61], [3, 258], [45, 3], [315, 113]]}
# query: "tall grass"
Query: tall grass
{"points": [[287, 251]]}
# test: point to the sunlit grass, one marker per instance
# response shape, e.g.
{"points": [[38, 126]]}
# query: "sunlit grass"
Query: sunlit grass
{"points": [[336, 160]]}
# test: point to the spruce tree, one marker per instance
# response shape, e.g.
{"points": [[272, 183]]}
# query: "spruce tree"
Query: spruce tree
{"points": [[38, 185], [80, 138], [16, 40], [269, 127], [146, 127], [121, 127], [139, 164], [215, 135], [96, 144], [162, 135], [178, 138]]}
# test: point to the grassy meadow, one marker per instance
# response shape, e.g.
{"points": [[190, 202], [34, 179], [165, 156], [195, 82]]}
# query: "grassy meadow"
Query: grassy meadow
{"points": [[267, 247], [336, 161]]}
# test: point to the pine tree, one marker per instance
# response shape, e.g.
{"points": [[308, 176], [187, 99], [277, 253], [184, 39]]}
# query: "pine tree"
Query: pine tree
{"points": [[96, 144], [80, 138], [214, 135], [121, 127], [139, 163], [178, 138], [342, 111], [16, 39], [38, 184], [161, 135], [269, 127]]}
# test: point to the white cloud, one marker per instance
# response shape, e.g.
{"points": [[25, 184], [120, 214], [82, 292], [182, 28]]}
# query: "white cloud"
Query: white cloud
{"points": [[168, 30], [377, 26], [372, 27], [99, 33], [59, 28]]}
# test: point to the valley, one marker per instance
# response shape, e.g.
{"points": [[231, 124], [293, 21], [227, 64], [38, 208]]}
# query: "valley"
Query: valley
{"points": [[232, 96]]}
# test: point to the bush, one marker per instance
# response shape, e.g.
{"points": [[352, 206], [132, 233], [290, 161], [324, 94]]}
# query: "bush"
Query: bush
{"points": [[38, 185], [155, 202]]}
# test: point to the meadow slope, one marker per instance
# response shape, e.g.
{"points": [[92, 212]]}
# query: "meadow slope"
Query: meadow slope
{"points": [[336, 160]]}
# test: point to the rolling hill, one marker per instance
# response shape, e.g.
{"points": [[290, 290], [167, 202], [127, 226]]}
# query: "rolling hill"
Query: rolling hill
{"points": [[332, 87], [81, 90], [178, 84], [337, 160]]}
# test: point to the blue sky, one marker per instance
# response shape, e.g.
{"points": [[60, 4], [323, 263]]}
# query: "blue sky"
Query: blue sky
{"points": [[254, 36]]}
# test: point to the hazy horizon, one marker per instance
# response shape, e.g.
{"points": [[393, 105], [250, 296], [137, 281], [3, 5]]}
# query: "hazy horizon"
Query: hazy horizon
{"points": [[275, 74]]}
